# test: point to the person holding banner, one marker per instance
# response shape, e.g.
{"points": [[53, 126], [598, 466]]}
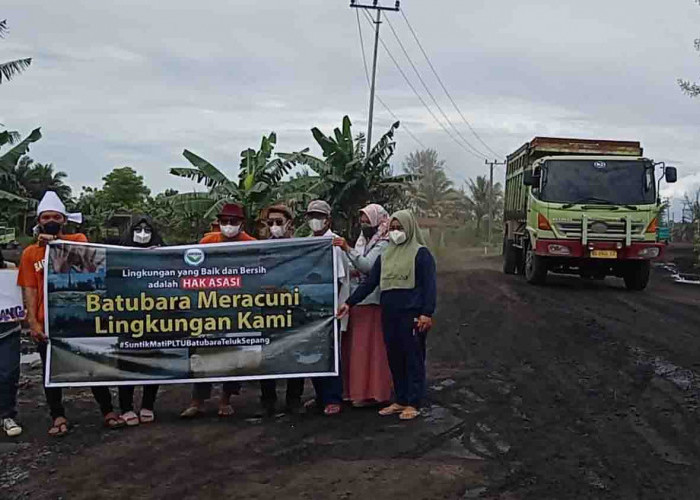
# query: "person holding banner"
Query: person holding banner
{"points": [[10, 328], [141, 234], [231, 221], [278, 219], [366, 375], [51, 218], [329, 390], [406, 276]]}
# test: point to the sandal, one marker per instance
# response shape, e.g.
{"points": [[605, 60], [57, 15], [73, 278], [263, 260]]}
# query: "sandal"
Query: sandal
{"points": [[59, 427], [192, 412], [332, 409], [225, 411], [113, 421], [392, 409], [146, 416], [131, 419], [311, 404], [409, 413]]}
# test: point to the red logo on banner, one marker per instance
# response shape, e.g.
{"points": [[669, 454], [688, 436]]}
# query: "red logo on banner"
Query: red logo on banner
{"points": [[191, 283]]}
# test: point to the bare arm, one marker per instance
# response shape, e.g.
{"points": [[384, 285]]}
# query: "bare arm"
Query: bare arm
{"points": [[35, 328]]}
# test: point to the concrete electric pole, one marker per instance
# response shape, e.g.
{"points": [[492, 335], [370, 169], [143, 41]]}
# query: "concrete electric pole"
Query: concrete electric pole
{"points": [[491, 164], [375, 6]]}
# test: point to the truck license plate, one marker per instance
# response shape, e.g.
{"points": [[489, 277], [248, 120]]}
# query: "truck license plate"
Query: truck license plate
{"points": [[604, 254]]}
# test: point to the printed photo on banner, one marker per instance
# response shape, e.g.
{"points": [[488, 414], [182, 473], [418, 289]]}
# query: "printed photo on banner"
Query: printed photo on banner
{"points": [[118, 315]]}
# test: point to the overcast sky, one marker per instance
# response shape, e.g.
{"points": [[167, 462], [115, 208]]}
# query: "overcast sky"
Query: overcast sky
{"points": [[135, 82]]}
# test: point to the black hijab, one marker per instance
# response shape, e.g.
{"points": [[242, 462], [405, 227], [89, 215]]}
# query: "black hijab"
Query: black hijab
{"points": [[128, 237]]}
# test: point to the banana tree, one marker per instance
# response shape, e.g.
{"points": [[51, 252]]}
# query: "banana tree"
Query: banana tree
{"points": [[13, 198], [258, 185], [348, 178]]}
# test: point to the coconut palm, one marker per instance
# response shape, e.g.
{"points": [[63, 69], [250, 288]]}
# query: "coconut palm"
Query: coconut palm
{"points": [[477, 199], [431, 193], [11, 68]]}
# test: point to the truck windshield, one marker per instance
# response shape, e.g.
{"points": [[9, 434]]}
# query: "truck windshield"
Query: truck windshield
{"points": [[616, 182]]}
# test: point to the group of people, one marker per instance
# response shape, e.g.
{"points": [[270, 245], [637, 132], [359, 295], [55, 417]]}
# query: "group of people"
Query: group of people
{"points": [[387, 292]]}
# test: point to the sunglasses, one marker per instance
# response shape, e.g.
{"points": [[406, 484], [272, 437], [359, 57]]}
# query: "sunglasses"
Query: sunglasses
{"points": [[276, 222]]}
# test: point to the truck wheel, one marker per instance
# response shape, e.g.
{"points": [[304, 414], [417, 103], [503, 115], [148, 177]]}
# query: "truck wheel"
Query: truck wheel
{"points": [[510, 257], [637, 275], [535, 267]]}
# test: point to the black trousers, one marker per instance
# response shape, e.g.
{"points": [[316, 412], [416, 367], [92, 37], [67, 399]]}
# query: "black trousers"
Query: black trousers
{"points": [[268, 391], [54, 395], [405, 348], [126, 397]]}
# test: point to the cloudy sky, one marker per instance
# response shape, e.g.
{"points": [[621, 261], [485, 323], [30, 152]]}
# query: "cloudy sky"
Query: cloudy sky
{"points": [[134, 83]]}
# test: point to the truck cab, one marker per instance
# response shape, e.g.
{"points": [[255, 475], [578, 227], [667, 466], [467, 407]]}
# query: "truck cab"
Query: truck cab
{"points": [[593, 213]]}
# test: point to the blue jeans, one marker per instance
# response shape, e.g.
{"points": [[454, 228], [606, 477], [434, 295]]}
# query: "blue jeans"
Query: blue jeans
{"points": [[9, 375]]}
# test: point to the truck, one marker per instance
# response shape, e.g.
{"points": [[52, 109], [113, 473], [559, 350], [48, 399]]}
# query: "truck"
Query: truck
{"points": [[585, 207]]}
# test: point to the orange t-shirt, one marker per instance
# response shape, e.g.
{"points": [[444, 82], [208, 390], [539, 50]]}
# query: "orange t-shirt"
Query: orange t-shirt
{"points": [[219, 238], [31, 270]]}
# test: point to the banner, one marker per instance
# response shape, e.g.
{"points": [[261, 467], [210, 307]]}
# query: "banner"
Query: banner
{"points": [[11, 306], [196, 313]]}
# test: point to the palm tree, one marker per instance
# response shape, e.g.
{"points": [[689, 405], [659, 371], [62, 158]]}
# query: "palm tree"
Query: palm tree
{"points": [[477, 199], [39, 178], [431, 193], [348, 178], [259, 180], [11, 68]]}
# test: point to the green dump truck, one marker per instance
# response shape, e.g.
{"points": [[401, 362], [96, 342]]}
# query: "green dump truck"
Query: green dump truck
{"points": [[585, 207]]}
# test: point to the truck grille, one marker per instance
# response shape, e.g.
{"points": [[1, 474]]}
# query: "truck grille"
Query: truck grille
{"points": [[601, 229]]}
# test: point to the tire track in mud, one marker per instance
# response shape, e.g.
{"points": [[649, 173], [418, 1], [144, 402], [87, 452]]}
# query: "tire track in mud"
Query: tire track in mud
{"points": [[585, 417]]}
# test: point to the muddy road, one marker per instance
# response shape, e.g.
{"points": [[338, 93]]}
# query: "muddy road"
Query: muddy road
{"points": [[575, 390]]}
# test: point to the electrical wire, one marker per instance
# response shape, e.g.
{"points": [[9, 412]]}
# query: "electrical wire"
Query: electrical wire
{"points": [[364, 62], [420, 98], [415, 36], [427, 89]]}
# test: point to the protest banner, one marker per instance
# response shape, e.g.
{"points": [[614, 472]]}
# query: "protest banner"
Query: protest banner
{"points": [[11, 306], [196, 313]]}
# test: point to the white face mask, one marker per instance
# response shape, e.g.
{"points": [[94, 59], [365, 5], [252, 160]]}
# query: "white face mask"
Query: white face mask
{"points": [[317, 225], [142, 237], [278, 231], [230, 231], [397, 237]]}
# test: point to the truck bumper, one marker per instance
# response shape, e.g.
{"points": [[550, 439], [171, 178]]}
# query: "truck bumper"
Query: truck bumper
{"points": [[574, 249]]}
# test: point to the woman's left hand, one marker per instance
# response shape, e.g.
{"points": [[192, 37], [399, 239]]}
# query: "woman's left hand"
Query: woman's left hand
{"points": [[342, 243], [425, 323]]}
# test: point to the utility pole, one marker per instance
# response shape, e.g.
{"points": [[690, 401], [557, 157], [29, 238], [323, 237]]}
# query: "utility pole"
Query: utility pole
{"points": [[491, 164], [375, 6]]}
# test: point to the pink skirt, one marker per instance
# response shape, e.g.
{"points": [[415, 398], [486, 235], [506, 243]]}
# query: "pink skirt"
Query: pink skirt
{"points": [[366, 374]]}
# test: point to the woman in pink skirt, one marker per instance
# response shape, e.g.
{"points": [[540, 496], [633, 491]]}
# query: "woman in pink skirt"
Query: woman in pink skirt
{"points": [[366, 375]]}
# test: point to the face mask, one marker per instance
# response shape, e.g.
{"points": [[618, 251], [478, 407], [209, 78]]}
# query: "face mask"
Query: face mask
{"points": [[51, 228], [317, 225], [142, 237], [397, 237], [230, 231], [278, 231], [368, 231]]}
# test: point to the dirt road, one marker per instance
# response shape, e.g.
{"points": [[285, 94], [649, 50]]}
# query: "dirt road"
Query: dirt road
{"points": [[576, 390]]}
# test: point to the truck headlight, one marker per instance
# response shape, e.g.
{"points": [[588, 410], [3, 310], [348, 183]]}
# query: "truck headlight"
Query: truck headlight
{"points": [[649, 252], [558, 250]]}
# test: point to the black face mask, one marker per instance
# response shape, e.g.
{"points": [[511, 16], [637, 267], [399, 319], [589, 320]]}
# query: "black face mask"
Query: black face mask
{"points": [[52, 228], [369, 231]]}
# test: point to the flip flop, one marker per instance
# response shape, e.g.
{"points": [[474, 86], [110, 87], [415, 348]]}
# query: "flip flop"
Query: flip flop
{"points": [[392, 409], [59, 429], [131, 419], [332, 409], [225, 411], [191, 412], [409, 413], [113, 421], [146, 416]]}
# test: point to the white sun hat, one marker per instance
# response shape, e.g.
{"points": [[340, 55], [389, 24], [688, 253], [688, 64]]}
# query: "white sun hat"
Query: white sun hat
{"points": [[52, 203]]}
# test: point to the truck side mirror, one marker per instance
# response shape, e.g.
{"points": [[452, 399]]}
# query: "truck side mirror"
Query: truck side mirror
{"points": [[671, 174], [530, 179]]}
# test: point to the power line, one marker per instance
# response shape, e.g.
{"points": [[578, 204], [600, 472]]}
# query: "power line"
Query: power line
{"points": [[415, 36], [381, 101], [427, 89], [420, 98]]}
